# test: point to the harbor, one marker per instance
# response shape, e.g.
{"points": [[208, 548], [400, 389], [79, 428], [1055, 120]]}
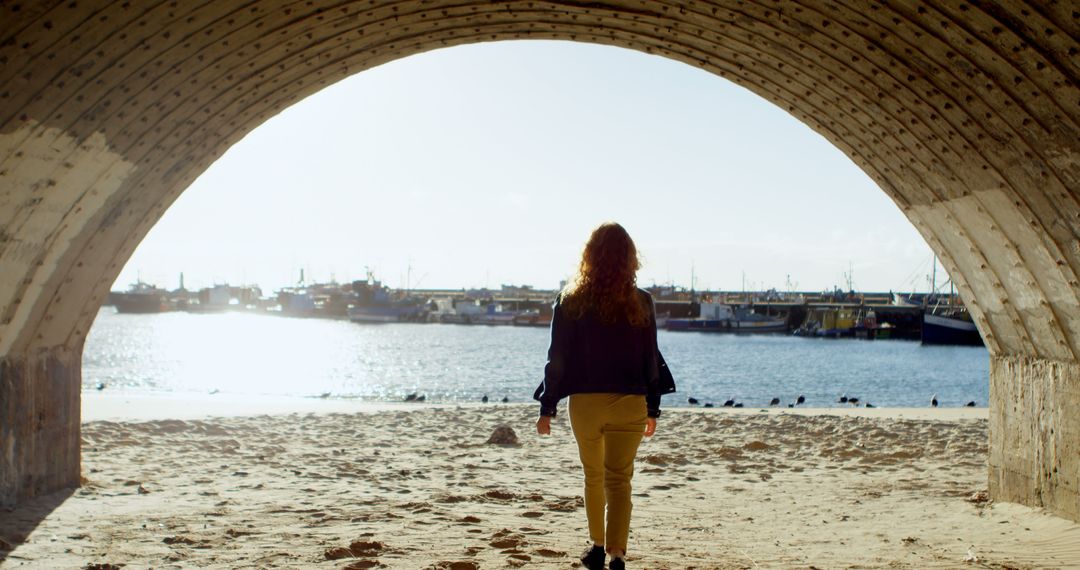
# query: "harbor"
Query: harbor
{"points": [[229, 353], [932, 318]]}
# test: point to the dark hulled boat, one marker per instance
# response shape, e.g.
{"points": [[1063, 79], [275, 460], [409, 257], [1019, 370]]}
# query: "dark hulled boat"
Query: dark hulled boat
{"points": [[140, 298], [949, 329]]}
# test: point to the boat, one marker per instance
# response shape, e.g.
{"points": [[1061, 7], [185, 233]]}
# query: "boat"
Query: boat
{"points": [[496, 314], [456, 311], [747, 321], [833, 322], [950, 328], [140, 298], [296, 302], [385, 314], [533, 318], [374, 303], [720, 317], [214, 299], [946, 320]]}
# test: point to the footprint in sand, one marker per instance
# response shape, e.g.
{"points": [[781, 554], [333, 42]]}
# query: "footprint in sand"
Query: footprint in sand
{"points": [[358, 549], [337, 553], [757, 446], [565, 504], [499, 495], [180, 539], [364, 565], [505, 539], [457, 565]]}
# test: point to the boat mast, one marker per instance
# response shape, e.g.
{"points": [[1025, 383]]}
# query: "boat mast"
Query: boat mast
{"points": [[692, 280], [933, 278]]}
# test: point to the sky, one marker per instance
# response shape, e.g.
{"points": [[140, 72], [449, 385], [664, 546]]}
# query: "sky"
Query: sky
{"points": [[490, 164]]}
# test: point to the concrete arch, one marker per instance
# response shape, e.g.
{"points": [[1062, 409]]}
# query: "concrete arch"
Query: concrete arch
{"points": [[966, 114]]}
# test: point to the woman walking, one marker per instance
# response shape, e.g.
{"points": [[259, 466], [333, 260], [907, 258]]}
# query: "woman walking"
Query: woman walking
{"points": [[603, 355]]}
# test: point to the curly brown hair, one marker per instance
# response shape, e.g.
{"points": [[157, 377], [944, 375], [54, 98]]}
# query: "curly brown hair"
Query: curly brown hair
{"points": [[606, 281]]}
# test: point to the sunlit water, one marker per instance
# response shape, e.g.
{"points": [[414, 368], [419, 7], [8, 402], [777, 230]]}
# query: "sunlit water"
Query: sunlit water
{"points": [[268, 355]]}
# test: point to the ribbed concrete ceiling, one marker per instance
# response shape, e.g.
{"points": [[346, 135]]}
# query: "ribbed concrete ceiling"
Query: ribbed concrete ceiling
{"points": [[965, 113]]}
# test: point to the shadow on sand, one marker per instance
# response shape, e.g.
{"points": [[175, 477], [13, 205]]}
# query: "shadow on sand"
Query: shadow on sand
{"points": [[17, 524]]}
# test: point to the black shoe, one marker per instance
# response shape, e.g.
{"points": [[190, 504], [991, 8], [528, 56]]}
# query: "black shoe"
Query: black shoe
{"points": [[593, 559], [617, 564]]}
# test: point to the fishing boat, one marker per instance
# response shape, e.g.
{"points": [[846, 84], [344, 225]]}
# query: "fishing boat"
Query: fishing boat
{"points": [[720, 317], [296, 302], [140, 298], [214, 299], [829, 322], [532, 318], [950, 328], [747, 321], [497, 316], [385, 314], [946, 320], [374, 303]]}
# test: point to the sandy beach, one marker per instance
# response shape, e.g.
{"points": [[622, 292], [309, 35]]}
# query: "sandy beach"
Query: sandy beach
{"points": [[340, 485]]}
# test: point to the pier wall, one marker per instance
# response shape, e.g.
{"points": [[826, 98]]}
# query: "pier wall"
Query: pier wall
{"points": [[39, 424], [967, 115], [1035, 433]]}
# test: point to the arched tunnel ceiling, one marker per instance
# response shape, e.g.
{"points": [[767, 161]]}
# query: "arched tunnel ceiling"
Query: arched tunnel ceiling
{"points": [[966, 114]]}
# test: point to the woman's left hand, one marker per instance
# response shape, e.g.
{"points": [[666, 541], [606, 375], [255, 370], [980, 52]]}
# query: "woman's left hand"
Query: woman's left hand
{"points": [[650, 427], [543, 425]]}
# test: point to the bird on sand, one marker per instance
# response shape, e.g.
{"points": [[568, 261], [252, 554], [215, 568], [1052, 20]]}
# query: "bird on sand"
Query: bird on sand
{"points": [[411, 397], [729, 402], [774, 402], [506, 399], [484, 399], [800, 400], [970, 404], [933, 401], [692, 401], [420, 398], [709, 405], [737, 405], [100, 386], [843, 399], [869, 405], [853, 401]]}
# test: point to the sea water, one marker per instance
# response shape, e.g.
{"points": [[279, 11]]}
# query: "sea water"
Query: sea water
{"points": [[259, 354]]}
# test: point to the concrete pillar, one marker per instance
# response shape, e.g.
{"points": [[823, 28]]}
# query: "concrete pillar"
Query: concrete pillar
{"points": [[1035, 433], [39, 423]]}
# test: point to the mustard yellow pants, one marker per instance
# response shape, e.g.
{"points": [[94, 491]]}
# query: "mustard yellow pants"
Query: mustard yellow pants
{"points": [[608, 430]]}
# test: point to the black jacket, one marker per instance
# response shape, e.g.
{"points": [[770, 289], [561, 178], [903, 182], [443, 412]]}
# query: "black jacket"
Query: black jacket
{"points": [[590, 356]]}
